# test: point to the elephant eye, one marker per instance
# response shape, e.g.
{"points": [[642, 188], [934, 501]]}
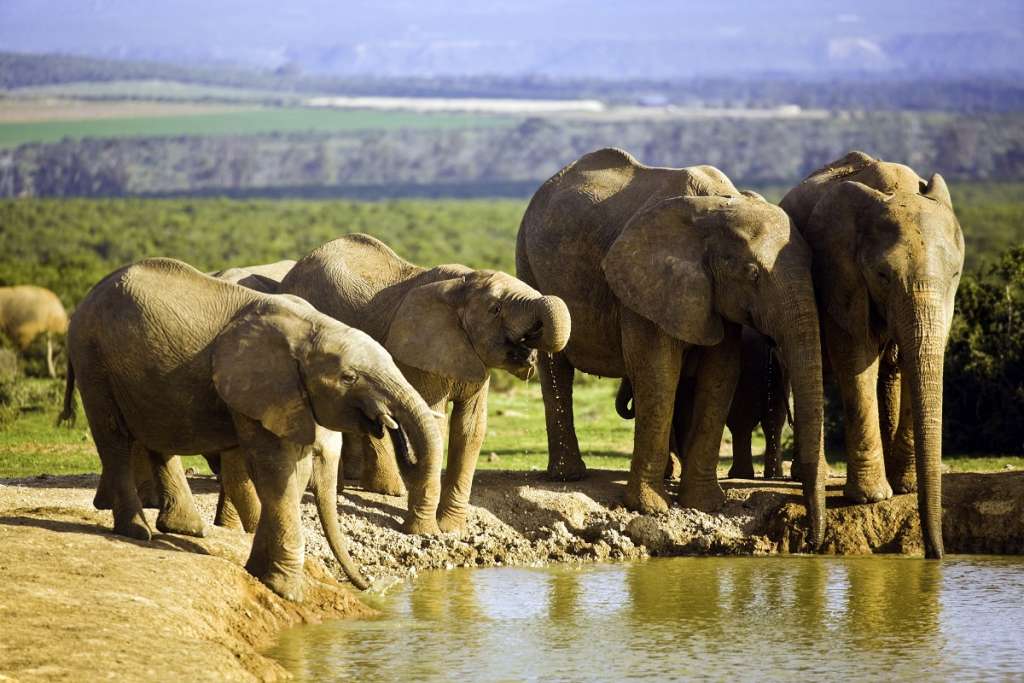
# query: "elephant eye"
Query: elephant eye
{"points": [[752, 272], [495, 308], [348, 377]]}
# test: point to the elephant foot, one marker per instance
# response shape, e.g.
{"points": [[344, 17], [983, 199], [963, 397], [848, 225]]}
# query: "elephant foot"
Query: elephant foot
{"points": [[103, 500], [741, 472], [904, 480], [132, 525], [566, 469], [867, 485], [181, 520], [385, 485], [452, 522], [288, 586], [704, 496], [646, 497], [421, 526]]}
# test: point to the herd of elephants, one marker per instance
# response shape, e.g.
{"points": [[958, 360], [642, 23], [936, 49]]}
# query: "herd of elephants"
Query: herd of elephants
{"points": [[692, 291]]}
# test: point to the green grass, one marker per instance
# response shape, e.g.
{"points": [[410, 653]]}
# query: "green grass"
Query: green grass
{"points": [[516, 440], [248, 122]]}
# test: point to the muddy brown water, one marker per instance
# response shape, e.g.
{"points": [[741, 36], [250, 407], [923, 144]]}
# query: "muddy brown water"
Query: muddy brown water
{"points": [[720, 618]]}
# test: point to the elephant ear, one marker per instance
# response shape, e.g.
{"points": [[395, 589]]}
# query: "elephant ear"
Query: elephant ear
{"points": [[936, 189], [656, 267], [426, 333], [256, 373], [834, 230]]}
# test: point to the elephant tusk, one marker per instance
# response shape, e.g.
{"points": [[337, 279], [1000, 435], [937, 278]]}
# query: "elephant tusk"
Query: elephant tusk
{"points": [[388, 421]]}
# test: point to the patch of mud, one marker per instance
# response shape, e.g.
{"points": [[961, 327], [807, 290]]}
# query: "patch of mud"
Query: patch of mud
{"points": [[80, 604]]}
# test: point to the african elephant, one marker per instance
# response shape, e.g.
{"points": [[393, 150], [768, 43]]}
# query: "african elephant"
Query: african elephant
{"points": [[657, 264], [173, 361], [26, 312], [264, 278], [888, 251], [761, 398], [446, 327]]}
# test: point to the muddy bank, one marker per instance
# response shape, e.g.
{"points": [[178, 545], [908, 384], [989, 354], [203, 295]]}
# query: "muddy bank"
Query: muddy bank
{"points": [[79, 603], [519, 518]]}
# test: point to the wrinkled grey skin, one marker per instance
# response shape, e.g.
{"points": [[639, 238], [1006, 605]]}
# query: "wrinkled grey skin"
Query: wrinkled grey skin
{"points": [[656, 264], [447, 327], [761, 398], [26, 311], [172, 361], [888, 251]]}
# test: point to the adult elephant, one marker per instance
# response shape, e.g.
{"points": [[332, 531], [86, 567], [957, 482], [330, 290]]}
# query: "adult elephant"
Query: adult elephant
{"points": [[888, 251], [655, 264], [265, 277], [447, 327], [26, 312], [761, 398], [172, 361]]}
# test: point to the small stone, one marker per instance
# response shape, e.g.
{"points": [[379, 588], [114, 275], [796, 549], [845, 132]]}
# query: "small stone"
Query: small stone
{"points": [[191, 472], [493, 457]]}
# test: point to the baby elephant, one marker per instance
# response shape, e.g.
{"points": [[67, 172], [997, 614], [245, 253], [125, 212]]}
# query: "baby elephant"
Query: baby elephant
{"points": [[761, 397], [171, 361], [447, 327]]}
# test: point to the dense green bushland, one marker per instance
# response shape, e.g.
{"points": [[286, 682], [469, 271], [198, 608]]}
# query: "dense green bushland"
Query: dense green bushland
{"points": [[67, 245], [984, 374]]}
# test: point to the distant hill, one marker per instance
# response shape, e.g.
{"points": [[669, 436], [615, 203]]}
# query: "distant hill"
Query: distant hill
{"points": [[648, 39]]}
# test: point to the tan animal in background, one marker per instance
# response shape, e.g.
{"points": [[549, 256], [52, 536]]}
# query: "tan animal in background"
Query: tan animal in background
{"points": [[26, 311]]}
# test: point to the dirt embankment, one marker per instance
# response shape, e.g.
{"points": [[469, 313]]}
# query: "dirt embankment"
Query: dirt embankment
{"points": [[78, 603]]}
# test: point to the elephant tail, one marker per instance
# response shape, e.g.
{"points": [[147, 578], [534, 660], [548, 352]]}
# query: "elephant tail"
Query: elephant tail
{"points": [[624, 404], [68, 414]]}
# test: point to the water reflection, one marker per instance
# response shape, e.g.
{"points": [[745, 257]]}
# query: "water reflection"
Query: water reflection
{"points": [[861, 618]]}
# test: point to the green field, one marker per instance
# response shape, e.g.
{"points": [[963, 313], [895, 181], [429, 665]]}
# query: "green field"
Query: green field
{"points": [[269, 120], [31, 444], [154, 89]]}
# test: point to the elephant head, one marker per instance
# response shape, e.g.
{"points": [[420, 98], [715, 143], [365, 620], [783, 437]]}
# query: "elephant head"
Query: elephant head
{"points": [[292, 368], [894, 263], [464, 325], [688, 263]]}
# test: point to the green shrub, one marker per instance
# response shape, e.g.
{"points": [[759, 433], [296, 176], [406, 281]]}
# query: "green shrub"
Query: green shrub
{"points": [[984, 373]]}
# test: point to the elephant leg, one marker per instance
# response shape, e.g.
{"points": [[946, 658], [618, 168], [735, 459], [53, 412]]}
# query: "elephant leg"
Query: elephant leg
{"points": [[855, 366], [467, 429], [556, 380], [716, 383], [114, 444], [49, 356], [142, 471], [241, 506], [281, 470], [901, 459], [351, 459], [742, 454], [653, 361], [380, 467], [178, 511], [888, 399], [682, 416]]}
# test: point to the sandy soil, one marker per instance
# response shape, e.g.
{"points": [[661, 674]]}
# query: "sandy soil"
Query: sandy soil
{"points": [[78, 603]]}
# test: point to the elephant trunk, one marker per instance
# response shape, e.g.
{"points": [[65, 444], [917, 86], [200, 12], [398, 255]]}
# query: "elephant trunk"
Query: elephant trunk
{"points": [[921, 334], [800, 347], [325, 491], [424, 468], [543, 321]]}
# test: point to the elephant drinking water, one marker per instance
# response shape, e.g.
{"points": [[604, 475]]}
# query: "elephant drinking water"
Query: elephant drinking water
{"points": [[172, 361]]}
